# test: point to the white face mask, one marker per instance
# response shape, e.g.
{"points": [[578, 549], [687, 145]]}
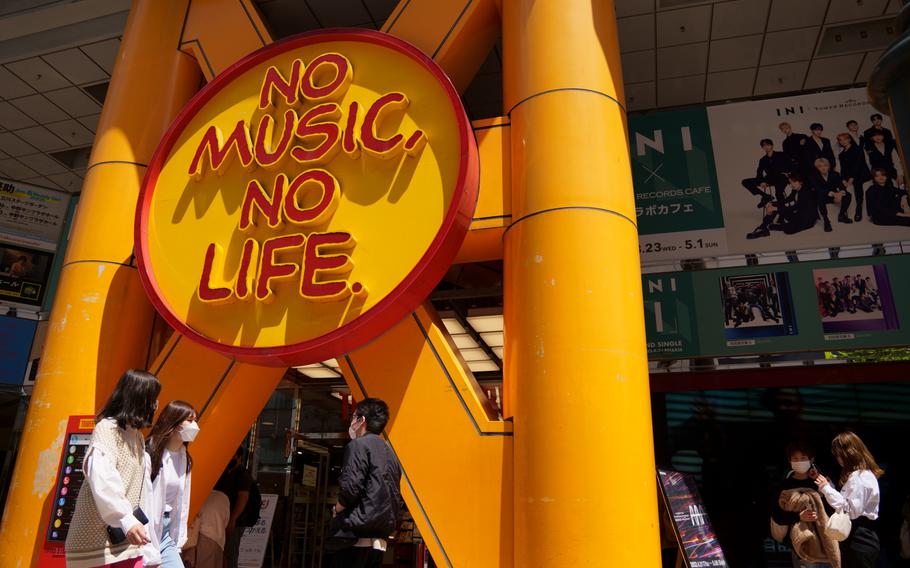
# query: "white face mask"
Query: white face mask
{"points": [[352, 430], [189, 431], [801, 466]]}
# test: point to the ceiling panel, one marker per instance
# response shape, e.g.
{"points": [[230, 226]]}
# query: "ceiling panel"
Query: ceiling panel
{"points": [[789, 46], [43, 164], [41, 138], [681, 61], [639, 66], [735, 53], [791, 14], [681, 91], [38, 74], [12, 86], [846, 10], [104, 53], [76, 66], [780, 78], [641, 96], [72, 132], [740, 17], [633, 7], [39, 108], [730, 85], [636, 33], [90, 122], [12, 118], [15, 169], [833, 71], [15, 146], [67, 180], [689, 25], [74, 101]]}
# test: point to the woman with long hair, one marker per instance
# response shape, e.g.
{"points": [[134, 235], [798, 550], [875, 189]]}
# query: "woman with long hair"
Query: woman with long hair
{"points": [[858, 498], [170, 465], [108, 524]]}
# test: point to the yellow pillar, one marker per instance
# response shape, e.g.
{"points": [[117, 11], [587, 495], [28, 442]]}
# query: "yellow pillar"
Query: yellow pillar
{"points": [[101, 320], [576, 363]]}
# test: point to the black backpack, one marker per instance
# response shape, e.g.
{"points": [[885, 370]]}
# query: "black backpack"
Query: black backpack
{"points": [[253, 505]]}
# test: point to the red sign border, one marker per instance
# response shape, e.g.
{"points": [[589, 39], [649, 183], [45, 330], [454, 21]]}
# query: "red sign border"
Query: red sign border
{"points": [[406, 296]]}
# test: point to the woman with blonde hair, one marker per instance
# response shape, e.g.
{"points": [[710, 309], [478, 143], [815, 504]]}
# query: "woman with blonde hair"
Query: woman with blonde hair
{"points": [[859, 498]]}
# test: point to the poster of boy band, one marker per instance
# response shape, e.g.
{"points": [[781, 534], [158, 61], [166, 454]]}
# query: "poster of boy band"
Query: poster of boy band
{"points": [[855, 298], [809, 171], [757, 305]]}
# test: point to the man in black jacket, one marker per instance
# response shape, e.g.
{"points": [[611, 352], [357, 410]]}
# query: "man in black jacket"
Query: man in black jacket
{"points": [[878, 127], [369, 500], [817, 146], [793, 142], [830, 188], [853, 170], [772, 172], [795, 213]]}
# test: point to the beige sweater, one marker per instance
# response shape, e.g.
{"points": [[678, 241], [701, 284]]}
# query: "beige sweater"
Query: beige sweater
{"points": [[88, 544]]}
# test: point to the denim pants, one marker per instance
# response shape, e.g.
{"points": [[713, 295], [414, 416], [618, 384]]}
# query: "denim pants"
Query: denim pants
{"points": [[170, 556]]}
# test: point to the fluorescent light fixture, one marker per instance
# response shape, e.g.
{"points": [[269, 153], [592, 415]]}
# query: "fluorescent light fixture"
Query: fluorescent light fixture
{"points": [[482, 366], [464, 341], [484, 324], [452, 326], [474, 355], [492, 338]]}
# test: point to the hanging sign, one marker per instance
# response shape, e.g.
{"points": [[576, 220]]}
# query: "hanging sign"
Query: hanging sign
{"points": [[308, 198]]}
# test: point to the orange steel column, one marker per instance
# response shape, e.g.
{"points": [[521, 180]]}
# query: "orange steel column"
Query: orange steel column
{"points": [[576, 364], [101, 321]]}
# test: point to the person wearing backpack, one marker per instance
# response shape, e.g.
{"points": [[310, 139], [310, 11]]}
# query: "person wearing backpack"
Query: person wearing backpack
{"points": [[369, 501], [242, 493]]}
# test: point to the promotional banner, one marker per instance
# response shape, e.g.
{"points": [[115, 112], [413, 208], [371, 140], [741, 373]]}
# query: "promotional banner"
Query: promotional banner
{"points": [[811, 306], [256, 538], [698, 543], [23, 274], [677, 202], [30, 215], [16, 335], [717, 180]]}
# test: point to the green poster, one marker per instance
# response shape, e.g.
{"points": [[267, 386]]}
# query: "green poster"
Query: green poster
{"points": [[807, 306], [673, 172], [670, 315]]}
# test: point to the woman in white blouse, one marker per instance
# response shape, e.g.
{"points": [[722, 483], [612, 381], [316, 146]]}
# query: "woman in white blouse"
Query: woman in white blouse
{"points": [[169, 498], [858, 498]]}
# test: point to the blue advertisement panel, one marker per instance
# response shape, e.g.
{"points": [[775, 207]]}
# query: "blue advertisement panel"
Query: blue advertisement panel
{"points": [[16, 336]]}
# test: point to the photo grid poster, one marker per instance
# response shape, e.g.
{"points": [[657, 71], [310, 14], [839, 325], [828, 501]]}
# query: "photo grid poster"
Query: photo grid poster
{"points": [[855, 298], [736, 132], [793, 307], [697, 176]]}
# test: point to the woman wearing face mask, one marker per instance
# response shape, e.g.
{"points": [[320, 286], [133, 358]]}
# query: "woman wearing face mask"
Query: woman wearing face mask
{"points": [[800, 477], [169, 498], [108, 524], [858, 498]]}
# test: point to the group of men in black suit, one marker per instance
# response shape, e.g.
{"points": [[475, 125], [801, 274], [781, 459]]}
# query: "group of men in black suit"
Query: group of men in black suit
{"points": [[796, 186], [847, 294]]}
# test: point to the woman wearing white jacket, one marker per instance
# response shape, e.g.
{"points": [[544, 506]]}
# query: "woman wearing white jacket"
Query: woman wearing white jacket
{"points": [[169, 496]]}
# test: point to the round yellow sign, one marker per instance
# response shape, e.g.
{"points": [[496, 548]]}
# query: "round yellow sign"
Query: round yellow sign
{"points": [[308, 198]]}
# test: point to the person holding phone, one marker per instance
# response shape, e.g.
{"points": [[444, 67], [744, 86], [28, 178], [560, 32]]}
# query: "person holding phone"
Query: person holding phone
{"points": [[859, 498], [108, 524], [170, 465], [800, 476]]}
